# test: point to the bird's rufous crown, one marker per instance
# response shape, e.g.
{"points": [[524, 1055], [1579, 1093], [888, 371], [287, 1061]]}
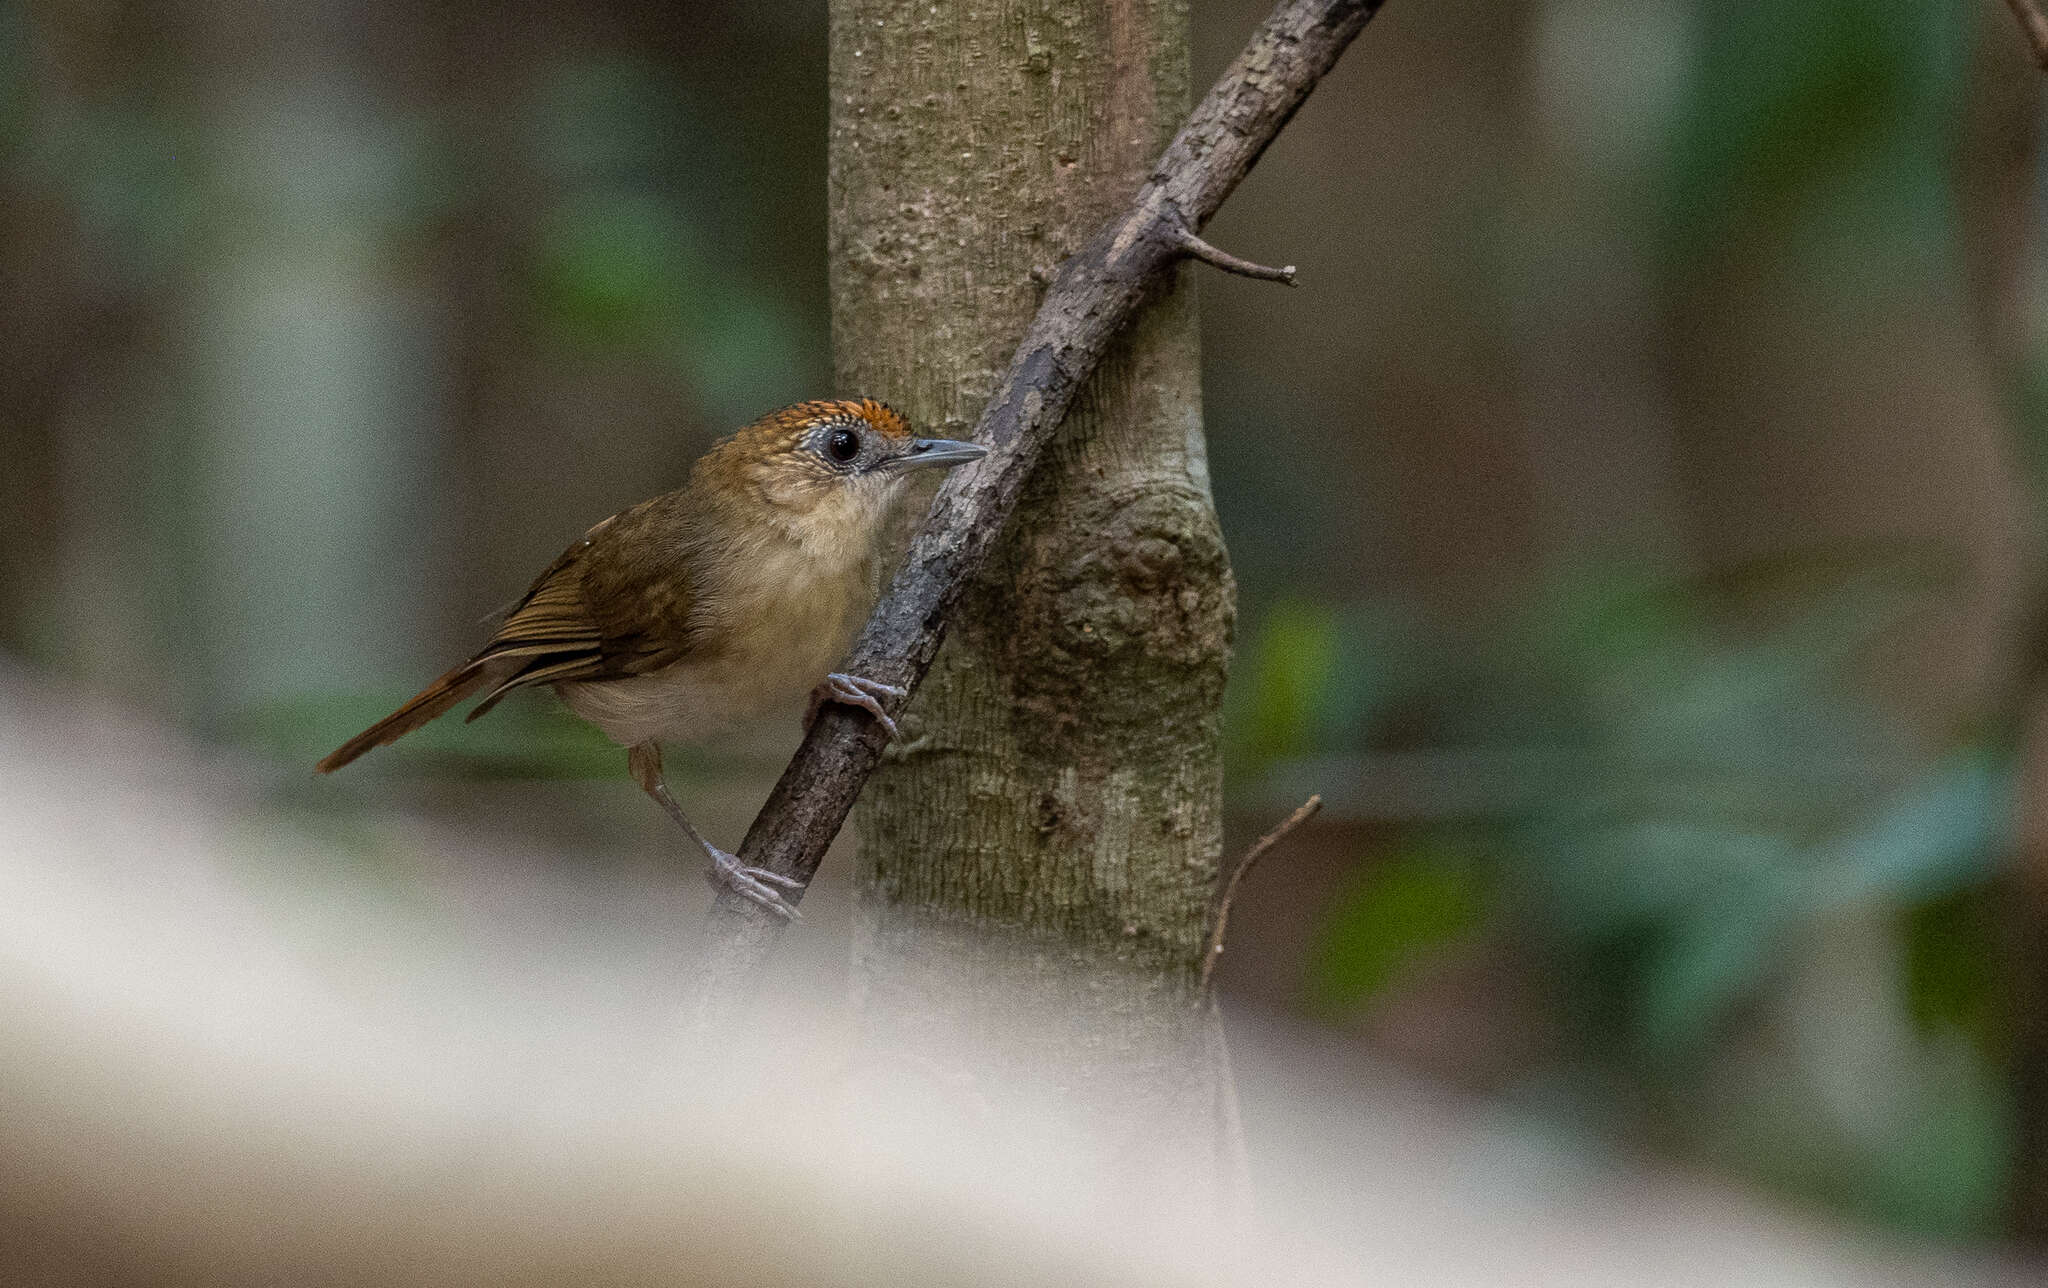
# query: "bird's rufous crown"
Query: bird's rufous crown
{"points": [[800, 418]]}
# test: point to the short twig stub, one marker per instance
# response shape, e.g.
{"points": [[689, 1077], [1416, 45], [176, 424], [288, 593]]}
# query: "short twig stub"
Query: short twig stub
{"points": [[1196, 248]]}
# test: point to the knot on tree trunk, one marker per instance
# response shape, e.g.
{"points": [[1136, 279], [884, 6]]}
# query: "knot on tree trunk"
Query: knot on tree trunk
{"points": [[1114, 627]]}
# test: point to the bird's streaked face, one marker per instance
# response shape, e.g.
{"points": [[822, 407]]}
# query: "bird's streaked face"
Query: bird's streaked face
{"points": [[855, 446], [843, 462]]}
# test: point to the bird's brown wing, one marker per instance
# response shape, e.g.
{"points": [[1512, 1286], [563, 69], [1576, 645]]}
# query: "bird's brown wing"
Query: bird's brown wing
{"points": [[617, 603], [595, 615]]}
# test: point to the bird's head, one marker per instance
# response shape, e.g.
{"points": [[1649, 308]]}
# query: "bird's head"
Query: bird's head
{"points": [[831, 467]]}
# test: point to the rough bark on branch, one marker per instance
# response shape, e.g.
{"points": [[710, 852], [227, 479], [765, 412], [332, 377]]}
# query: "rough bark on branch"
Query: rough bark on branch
{"points": [[1093, 296]]}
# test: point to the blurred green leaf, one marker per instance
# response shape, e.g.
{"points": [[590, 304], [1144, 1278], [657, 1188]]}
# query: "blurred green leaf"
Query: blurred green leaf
{"points": [[608, 123], [1943, 832], [1639, 874], [1944, 1171], [734, 352], [15, 86], [1603, 615], [133, 178], [1708, 962], [2026, 395], [1420, 900], [1829, 110], [1724, 793], [1955, 959], [645, 250], [1287, 681], [1928, 1151], [612, 268]]}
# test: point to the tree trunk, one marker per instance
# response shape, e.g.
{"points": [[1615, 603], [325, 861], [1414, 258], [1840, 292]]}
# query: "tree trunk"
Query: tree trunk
{"points": [[1059, 776]]}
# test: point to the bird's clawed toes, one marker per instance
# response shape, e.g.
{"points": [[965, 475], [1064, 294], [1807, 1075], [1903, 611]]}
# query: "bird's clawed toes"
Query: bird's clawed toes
{"points": [[856, 691], [728, 873]]}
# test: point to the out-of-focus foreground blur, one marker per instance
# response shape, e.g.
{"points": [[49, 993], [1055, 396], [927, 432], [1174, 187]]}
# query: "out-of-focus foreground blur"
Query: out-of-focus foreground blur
{"points": [[1635, 513], [254, 1060]]}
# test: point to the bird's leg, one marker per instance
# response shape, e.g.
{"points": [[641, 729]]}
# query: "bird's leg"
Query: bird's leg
{"points": [[726, 870], [855, 691]]}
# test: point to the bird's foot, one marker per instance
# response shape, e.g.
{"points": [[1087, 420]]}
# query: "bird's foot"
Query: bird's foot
{"points": [[728, 873], [856, 691]]}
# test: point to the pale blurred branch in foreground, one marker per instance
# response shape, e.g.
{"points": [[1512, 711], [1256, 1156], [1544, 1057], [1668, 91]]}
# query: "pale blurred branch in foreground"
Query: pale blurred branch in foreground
{"points": [[234, 1055]]}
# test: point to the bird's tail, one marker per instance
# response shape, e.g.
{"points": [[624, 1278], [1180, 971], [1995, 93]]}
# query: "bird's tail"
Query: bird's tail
{"points": [[434, 700]]}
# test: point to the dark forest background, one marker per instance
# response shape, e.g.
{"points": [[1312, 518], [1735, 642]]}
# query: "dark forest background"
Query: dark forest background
{"points": [[1635, 509]]}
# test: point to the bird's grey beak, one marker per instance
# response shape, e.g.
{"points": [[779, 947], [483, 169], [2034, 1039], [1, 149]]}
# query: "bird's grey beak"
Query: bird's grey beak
{"points": [[938, 453]]}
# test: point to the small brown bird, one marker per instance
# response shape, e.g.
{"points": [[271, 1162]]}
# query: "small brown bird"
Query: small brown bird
{"points": [[723, 599]]}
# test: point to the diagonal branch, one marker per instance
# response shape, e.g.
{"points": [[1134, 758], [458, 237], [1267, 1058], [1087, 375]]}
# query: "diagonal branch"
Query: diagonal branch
{"points": [[1095, 294]]}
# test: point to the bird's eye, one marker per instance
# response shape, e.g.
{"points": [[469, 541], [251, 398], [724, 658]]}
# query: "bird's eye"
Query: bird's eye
{"points": [[842, 445]]}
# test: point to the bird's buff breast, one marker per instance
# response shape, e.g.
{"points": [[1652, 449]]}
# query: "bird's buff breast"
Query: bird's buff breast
{"points": [[785, 632]]}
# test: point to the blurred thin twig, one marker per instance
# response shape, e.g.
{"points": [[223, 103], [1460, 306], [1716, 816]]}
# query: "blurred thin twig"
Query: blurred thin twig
{"points": [[1221, 924]]}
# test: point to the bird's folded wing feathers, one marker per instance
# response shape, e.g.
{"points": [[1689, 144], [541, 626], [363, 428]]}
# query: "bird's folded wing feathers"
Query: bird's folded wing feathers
{"points": [[555, 636]]}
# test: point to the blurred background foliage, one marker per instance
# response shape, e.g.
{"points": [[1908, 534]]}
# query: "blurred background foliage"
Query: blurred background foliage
{"points": [[1634, 511]]}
